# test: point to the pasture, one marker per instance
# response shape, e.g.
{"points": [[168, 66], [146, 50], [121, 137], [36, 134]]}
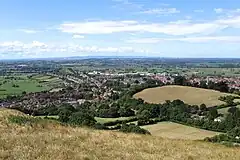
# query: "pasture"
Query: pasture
{"points": [[190, 95], [104, 120], [178, 131], [16, 85], [224, 111]]}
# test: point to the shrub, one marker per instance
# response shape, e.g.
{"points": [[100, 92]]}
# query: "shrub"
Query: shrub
{"points": [[82, 119], [134, 129]]}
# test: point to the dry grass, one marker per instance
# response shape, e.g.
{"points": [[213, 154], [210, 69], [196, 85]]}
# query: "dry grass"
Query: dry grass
{"points": [[190, 95], [62, 142], [178, 131]]}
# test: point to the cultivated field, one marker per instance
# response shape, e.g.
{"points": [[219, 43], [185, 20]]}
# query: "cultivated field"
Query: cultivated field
{"points": [[190, 95], [178, 131], [54, 141]]}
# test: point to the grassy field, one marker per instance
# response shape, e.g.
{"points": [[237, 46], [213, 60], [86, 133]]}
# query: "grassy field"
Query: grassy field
{"points": [[104, 120], [55, 117], [214, 71], [224, 111], [190, 95], [23, 84], [178, 131], [98, 119], [51, 140]]}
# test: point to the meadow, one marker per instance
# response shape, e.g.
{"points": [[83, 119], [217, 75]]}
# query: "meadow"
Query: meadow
{"points": [[178, 131], [104, 120], [224, 111], [51, 140], [16, 85], [190, 95]]}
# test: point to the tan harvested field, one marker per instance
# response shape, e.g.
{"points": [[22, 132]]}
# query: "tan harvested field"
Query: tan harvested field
{"points": [[53, 141], [178, 131], [190, 95]]}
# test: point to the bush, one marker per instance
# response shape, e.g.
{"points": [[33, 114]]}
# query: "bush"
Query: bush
{"points": [[100, 126], [134, 129], [64, 115], [15, 86], [143, 122], [82, 119]]}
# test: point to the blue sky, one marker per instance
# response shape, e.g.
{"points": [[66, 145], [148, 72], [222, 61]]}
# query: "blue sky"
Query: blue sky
{"points": [[162, 28]]}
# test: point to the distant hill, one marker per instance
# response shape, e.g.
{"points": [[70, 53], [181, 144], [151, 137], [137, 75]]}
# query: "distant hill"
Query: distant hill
{"points": [[50, 140], [190, 95]]}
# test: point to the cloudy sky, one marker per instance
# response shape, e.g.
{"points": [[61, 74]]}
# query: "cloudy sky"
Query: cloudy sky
{"points": [[162, 28]]}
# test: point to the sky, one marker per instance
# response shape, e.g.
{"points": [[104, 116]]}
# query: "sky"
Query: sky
{"points": [[154, 28]]}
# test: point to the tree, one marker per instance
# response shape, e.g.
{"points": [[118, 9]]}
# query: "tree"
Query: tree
{"points": [[82, 119], [64, 115], [24, 92], [180, 80], [212, 114], [144, 114], [232, 110], [133, 128], [203, 84], [126, 112], [203, 107], [234, 132]]}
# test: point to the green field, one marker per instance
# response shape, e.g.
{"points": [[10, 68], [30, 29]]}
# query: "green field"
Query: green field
{"points": [[224, 111], [178, 131], [54, 117], [214, 71], [15, 85], [21, 84], [98, 119], [104, 120]]}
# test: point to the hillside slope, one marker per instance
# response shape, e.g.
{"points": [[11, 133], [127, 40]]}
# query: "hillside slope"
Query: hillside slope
{"points": [[53, 141]]}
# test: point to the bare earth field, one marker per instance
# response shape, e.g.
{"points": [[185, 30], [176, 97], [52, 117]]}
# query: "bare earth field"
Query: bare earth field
{"points": [[51, 140], [178, 131], [190, 95]]}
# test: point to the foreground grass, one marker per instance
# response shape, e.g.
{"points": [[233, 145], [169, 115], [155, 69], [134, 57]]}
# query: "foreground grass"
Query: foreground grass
{"points": [[178, 131], [190, 95], [53, 141]]}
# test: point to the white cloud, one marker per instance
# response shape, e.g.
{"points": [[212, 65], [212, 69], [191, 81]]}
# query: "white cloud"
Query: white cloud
{"points": [[36, 48], [218, 10], [76, 36], [228, 12], [199, 11], [180, 27], [109, 27], [29, 31], [161, 11], [230, 39], [126, 3], [233, 22]]}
